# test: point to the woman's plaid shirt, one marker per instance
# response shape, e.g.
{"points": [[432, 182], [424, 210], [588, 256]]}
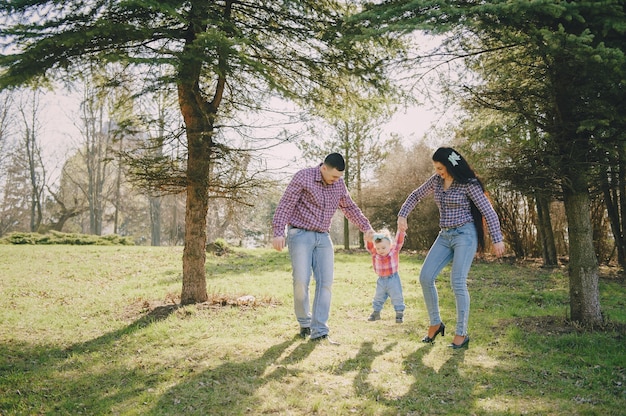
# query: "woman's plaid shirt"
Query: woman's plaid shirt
{"points": [[454, 204]]}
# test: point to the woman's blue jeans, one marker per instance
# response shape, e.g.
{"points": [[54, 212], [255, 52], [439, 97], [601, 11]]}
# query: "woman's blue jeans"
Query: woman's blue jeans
{"points": [[456, 245], [311, 252]]}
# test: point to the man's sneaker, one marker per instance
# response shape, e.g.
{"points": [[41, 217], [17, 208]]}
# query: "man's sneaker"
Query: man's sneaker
{"points": [[324, 338], [399, 317], [375, 316], [305, 332]]}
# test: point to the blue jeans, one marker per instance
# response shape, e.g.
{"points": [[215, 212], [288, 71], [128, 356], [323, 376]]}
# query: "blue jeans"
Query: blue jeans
{"points": [[459, 246], [311, 252], [389, 287]]}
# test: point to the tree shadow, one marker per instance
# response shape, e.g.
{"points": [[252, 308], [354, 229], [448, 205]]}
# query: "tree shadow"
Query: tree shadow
{"points": [[426, 393], [231, 387], [26, 367], [362, 363], [423, 393]]}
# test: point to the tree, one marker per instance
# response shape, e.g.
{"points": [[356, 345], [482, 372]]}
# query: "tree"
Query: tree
{"points": [[395, 178], [96, 151], [6, 102], [223, 56], [30, 157], [357, 136], [573, 58]]}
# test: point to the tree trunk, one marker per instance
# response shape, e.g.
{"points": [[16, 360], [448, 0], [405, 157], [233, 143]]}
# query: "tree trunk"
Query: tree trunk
{"points": [[199, 117], [544, 227], [198, 163], [583, 265], [118, 190], [621, 190], [155, 221], [611, 201]]}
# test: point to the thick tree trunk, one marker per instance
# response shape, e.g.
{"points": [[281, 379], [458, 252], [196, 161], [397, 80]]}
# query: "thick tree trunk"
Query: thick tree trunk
{"points": [[199, 116], [194, 253], [198, 168], [583, 265]]}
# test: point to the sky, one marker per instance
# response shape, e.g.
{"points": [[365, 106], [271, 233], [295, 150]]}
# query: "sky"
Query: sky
{"points": [[413, 124], [59, 134]]}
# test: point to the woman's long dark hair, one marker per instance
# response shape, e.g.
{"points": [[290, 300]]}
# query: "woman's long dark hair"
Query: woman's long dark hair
{"points": [[461, 171]]}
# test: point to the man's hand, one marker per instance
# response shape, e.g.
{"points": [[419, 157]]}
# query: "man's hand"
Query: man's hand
{"points": [[402, 224], [368, 235], [278, 243]]}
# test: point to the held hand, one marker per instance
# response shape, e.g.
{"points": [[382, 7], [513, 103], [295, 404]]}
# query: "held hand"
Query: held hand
{"points": [[498, 249], [369, 235], [278, 243], [402, 224]]}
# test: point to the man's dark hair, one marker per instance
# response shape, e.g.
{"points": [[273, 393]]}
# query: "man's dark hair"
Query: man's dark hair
{"points": [[335, 160]]}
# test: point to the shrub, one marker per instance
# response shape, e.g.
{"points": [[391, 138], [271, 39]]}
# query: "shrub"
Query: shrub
{"points": [[55, 237]]}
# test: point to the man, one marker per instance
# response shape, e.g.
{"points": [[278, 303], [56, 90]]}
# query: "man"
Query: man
{"points": [[306, 208]]}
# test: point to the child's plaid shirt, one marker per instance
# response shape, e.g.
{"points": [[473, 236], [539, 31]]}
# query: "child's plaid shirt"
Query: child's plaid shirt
{"points": [[385, 266]]}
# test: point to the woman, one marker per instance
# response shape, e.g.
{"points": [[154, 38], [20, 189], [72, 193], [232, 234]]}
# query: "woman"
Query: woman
{"points": [[462, 204]]}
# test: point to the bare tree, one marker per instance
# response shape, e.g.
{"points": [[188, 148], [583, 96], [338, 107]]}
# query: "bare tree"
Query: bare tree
{"points": [[30, 151]]}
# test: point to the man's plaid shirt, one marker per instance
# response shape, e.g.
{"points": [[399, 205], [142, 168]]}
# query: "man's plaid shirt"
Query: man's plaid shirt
{"points": [[310, 203]]}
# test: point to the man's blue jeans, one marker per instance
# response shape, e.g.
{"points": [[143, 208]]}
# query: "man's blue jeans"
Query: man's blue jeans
{"points": [[459, 246], [311, 252]]}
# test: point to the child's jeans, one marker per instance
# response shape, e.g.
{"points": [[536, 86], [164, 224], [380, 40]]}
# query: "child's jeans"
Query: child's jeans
{"points": [[389, 287]]}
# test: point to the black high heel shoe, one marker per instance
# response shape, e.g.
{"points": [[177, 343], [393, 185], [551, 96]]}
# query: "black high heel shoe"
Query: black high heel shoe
{"points": [[463, 344], [441, 330]]}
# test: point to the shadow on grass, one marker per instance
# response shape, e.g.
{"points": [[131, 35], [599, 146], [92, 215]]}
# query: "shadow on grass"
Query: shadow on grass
{"points": [[230, 388], [31, 376], [424, 390], [41, 380]]}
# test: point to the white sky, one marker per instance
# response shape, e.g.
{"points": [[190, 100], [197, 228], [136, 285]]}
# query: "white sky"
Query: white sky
{"points": [[59, 111], [412, 125]]}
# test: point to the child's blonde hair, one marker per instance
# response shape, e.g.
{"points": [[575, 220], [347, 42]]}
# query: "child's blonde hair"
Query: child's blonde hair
{"points": [[383, 234]]}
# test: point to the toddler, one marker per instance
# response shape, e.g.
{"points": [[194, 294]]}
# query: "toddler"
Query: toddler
{"points": [[385, 258]]}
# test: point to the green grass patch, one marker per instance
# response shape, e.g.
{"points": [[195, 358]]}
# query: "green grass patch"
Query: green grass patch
{"points": [[99, 330]]}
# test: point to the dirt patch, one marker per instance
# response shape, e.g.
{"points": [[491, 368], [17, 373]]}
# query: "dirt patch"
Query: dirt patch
{"points": [[240, 301], [161, 309]]}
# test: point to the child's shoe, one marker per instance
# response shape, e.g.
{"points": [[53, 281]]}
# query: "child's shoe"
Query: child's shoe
{"points": [[399, 317], [375, 316]]}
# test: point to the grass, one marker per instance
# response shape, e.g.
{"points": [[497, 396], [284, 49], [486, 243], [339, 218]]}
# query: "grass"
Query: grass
{"points": [[97, 330]]}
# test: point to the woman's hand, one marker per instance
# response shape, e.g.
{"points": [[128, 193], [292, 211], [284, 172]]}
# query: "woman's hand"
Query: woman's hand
{"points": [[498, 249], [402, 224]]}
